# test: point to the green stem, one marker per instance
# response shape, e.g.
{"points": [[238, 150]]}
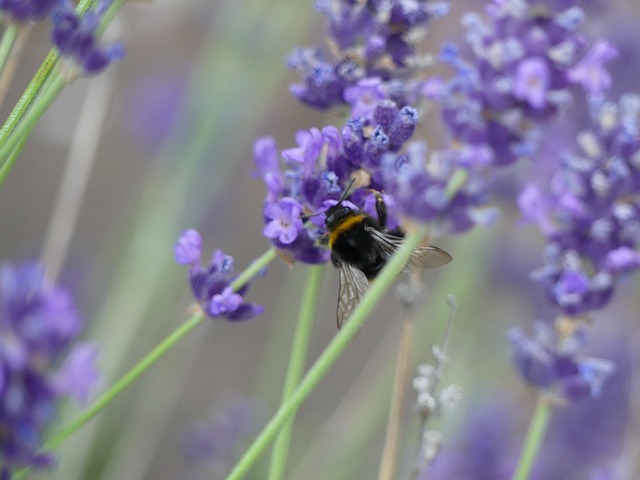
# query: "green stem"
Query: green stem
{"points": [[296, 365], [252, 270], [329, 356], [107, 397], [6, 43], [6, 168], [32, 117], [537, 429]]}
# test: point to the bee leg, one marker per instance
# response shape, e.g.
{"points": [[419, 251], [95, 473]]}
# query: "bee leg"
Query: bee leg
{"points": [[381, 210]]}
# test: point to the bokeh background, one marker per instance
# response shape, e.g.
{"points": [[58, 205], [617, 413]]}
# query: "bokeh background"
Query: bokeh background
{"points": [[201, 80]]}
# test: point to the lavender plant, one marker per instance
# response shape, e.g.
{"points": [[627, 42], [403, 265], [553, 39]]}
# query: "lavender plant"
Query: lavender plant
{"points": [[519, 66]]}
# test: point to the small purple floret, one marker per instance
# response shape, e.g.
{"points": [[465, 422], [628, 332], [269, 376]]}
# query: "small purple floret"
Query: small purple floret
{"points": [[212, 285], [188, 248], [75, 37]]}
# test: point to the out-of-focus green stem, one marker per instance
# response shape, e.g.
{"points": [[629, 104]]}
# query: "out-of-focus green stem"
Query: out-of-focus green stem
{"points": [[532, 442], [330, 355], [297, 361], [4, 169]]}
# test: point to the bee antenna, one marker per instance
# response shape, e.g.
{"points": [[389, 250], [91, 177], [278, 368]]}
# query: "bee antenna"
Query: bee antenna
{"points": [[346, 192]]}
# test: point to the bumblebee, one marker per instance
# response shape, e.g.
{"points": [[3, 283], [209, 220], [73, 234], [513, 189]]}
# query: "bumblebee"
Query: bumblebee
{"points": [[361, 246]]}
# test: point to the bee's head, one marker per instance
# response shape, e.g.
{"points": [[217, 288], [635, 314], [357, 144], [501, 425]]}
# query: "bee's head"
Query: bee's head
{"points": [[335, 215]]}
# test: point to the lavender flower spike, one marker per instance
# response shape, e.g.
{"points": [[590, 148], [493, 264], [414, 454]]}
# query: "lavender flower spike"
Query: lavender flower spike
{"points": [[212, 285], [38, 324], [76, 39], [551, 360]]}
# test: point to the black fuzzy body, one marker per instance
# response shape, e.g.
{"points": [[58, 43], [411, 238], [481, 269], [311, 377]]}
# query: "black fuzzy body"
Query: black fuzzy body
{"points": [[351, 241]]}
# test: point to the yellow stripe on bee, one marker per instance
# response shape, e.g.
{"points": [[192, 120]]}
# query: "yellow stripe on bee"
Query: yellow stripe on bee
{"points": [[344, 226]]}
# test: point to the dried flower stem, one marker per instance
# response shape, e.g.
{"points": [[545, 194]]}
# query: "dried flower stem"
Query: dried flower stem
{"points": [[76, 174], [532, 442], [390, 450], [329, 356], [14, 38], [440, 356], [297, 362]]}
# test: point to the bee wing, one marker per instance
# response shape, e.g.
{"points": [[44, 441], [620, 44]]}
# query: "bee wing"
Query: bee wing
{"points": [[424, 256], [353, 285]]}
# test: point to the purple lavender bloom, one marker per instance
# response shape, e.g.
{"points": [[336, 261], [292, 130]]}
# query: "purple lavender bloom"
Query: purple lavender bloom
{"points": [[79, 377], [188, 248], [75, 38], [27, 10], [590, 72], [551, 360], [483, 450], [283, 219], [532, 81], [371, 40], [592, 213], [212, 285], [584, 438], [38, 324]]}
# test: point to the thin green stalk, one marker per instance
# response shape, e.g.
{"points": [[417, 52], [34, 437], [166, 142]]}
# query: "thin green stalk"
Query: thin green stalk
{"points": [[107, 397], [6, 43], [116, 389], [4, 169], [297, 362], [252, 270], [532, 442], [32, 117], [330, 355]]}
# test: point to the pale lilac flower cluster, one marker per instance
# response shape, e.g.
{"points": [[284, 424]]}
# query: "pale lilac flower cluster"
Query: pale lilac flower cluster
{"points": [[38, 363], [591, 212], [590, 216], [511, 79], [211, 285], [75, 36]]}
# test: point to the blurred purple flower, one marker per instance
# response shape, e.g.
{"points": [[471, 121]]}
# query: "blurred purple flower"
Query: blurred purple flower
{"points": [[211, 286], [590, 72], [483, 450], [551, 360], [153, 108], [38, 324], [79, 375], [27, 10], [582, 439], [188, 248], [75, 37], [212, 445], [591, 212]]}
